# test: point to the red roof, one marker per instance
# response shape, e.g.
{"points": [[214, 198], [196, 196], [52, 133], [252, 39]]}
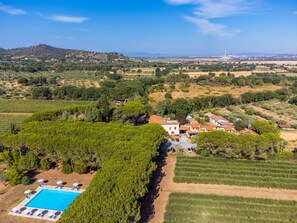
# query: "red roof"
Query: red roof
{"points": [[184, 128], [216, 117], [228, 128], [248, 131], [162, 121], [283, 126], [155, 119], [208, 127], [194, 125]]}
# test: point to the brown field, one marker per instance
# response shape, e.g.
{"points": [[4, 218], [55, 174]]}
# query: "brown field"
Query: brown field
{"points": [[291, 139], [271, 62], [236, 73], [289, 135], [198, 91], [243, 73]]}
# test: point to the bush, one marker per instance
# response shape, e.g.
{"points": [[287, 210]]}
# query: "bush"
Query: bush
{"points": [[204, 152], [80, 168], [66, 168], [25, 180], [14, 176], [249, 111], [168, 95], [45, 164], [23, 80]]}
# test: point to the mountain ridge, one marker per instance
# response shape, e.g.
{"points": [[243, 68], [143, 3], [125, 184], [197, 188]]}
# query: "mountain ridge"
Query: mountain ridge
{"points": [[44, 52]]}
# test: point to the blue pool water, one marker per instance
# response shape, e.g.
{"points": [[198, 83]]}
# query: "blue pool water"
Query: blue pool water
{"points": [[49, 199]]}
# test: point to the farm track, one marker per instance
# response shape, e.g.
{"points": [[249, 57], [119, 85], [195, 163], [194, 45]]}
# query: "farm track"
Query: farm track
{"points": [[167, 186]]}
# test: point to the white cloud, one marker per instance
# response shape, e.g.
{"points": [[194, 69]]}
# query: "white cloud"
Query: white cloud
{"points": [[210, 28], [206, 10], [223, 8], [11, 10], [71, 19]]}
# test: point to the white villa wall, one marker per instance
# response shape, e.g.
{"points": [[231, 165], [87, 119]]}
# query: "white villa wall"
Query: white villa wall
{"points": [[172, 129]]}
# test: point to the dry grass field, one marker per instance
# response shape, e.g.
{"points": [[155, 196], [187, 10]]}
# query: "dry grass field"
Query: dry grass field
{"points": [[236, 73], [198, 91], [291, 139], [271, 62], [243, 73]]}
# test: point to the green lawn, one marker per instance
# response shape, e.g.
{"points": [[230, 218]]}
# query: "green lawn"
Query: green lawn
{"points": [[236, 172], [6, 120], [190, 208], [31, 106]]}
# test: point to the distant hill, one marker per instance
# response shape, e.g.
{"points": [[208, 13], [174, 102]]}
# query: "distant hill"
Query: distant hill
{"points": [[45, 52]]}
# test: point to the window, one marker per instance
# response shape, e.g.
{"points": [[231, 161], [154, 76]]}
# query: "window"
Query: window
{"points": [[174, 128], [169, 128]]}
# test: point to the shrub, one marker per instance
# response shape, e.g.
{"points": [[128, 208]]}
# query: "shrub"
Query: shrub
{"points": [[66, 168], [249, 111], [80, 168], [168, 95], [25, 180], [45, 164], [14, 175], [204, 152]]}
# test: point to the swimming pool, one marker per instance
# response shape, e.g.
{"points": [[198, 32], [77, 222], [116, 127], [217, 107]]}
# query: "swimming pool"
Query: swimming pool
{"points": [[49, 199]]}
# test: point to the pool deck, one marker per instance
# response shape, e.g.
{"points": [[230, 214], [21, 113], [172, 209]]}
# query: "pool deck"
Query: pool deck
{"points": [[46, 216]]}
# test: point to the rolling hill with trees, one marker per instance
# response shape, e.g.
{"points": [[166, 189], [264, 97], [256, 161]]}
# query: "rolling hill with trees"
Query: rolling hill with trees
{"points": [[43, 52]]}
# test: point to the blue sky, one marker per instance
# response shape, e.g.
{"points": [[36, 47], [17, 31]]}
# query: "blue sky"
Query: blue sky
{"points": [[172, 27]]}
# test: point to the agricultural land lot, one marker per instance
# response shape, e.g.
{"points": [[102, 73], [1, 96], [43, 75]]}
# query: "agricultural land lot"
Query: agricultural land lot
{"points": [[198, 91], [278, 110], [7, 119], [184, 207], [15, 111], [235, 172], [31, 106]]}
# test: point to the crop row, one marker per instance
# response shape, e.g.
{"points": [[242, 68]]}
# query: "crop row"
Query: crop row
{"points": [[184, 207], [230, 162], [243, 173], [31, 106], [6, 120]]}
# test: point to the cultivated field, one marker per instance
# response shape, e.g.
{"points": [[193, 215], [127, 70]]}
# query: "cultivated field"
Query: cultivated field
{"points": [[31, 106], [184, 207], [198, 91], [236, 172], [278, 110], [6, 120], [236, 73]]}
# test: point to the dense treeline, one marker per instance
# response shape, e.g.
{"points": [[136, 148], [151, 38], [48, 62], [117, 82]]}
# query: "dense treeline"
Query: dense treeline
{"points": [[238, 146], [182, 107], [113, 89], [133, 112], [228, 79], [123, 155]]}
